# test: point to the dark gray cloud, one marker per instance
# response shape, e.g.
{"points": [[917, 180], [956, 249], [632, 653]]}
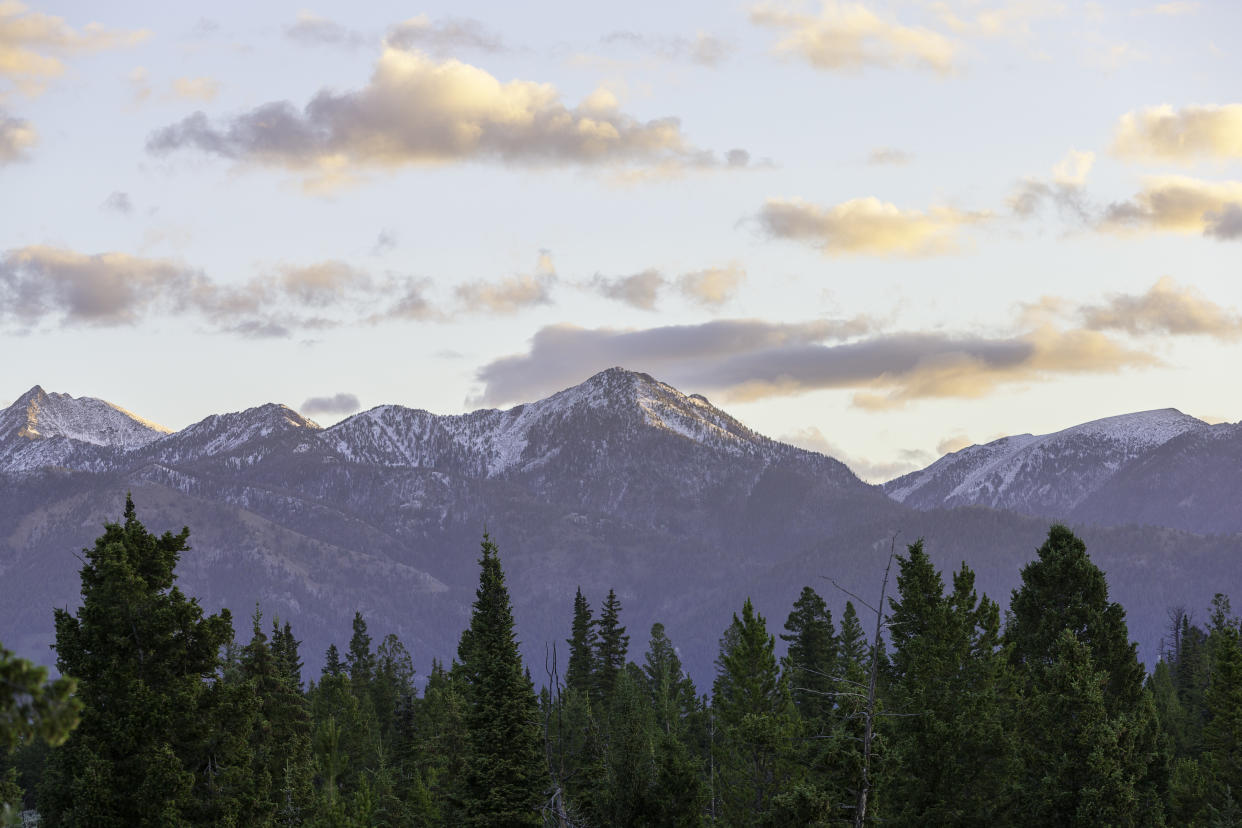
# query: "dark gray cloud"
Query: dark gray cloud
{"points": [[703, 49], [118, 202], [637, 290], [415, 110], [445, 37], [1225, 223], [751, 359], [16, 138], [313, 30], [341, 403]]}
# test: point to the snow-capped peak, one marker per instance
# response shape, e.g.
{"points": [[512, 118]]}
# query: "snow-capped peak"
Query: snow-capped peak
{"points": [[39, 415]]}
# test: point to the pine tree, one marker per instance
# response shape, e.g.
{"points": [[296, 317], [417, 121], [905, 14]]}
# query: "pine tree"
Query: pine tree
{"points": [[1063, 592], [582, 642], [143, 654], [610, 651], [950, 757], [811, 659], [31, 706], [359, 660], [1222, 734], [756, 720], [505, 775], [671, 691]]}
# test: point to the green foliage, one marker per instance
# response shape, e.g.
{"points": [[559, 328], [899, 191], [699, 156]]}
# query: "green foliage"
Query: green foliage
{"points": [[583, 641], [505, 776], [613, 644], [812, 657], [146, 752], [31, 707]]}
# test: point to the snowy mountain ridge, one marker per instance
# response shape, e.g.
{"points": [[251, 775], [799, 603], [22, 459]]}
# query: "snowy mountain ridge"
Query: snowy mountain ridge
{"points": [[1041, 474]]}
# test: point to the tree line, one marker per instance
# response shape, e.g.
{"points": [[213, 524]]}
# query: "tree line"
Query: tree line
{"points": [[953, 715]]}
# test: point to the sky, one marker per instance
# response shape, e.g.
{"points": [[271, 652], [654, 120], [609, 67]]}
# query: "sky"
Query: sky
{"points": [[882, 230]]}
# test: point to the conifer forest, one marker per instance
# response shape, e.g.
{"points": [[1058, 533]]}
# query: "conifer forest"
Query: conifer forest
{"points": [[928, 708]]}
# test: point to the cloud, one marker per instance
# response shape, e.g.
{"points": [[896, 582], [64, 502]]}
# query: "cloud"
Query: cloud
{"points": [[105, 289], [341, 403], [872, 471], [952, 443], [1064, 190], [32, 45], [518, 292], [703, 49], [849, 37], [750, 359], [386, 241], [1167, 308], [1011, 20], [416, 110], [41, 284], [1163, 134], [16, 138], [196, 89], [444, 37], [1178, 204], [712, 286], [638, 290], [867, 226], [1177, 8], [118, 202], [888, 155], [312, 30]]}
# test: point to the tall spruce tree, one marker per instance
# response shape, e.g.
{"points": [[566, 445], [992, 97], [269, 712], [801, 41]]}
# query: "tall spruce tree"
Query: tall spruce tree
{"points": [[582, 643], [505, 777], [1063, 592], [610, 651], [950, 759], [144, 655], [756, 721], [811, 658]]}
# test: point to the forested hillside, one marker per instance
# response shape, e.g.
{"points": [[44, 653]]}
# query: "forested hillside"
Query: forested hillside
{"points": [[951, 716]]}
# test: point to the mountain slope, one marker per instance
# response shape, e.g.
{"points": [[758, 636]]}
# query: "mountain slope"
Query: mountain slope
{"points": [[1047, 475]]}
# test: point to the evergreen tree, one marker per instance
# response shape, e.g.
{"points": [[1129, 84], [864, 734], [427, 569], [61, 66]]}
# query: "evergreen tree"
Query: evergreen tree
{"points": [[1062, 592], [332, 665], [611, 650], [1222, 734], [359, 660], [505, 775], [671, 691], [811, 659], [756, 721], [950, 759], [144, 656], [31, 706], [582, 644]]}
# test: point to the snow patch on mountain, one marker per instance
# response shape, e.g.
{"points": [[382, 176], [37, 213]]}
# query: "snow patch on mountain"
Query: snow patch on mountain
{"points": [[38, 415]]}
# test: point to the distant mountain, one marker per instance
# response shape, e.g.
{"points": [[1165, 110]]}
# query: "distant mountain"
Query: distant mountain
{"points": [[1049, 475], [621, 482], [41, 430]]}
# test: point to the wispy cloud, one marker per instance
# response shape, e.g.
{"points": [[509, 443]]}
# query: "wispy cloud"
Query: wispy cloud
{"points": [[868, 226], [32, 45], [1165, 134], [638, 290], [872, 471], [1065, 189], [17, 137], [118, 202], [446, 37], [889, 155], [416, 110], [512, 294], [703, 49], [849, 37], [310, 29], [712, 286]]}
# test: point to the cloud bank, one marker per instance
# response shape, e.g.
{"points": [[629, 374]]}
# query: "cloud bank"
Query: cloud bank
{"points": [[416, 110]]}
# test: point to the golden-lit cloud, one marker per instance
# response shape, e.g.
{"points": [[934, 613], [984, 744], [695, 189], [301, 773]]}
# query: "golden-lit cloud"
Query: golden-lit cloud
{"points": [[17, 136], [417, 110], [1165, 134], [872, 471], [1167, 308], [512, 294], [196, 89], [638, 290], [867, 226], [849, 37], [747, 359], [1011, 19], [32, 45], [712, 286], [1179, 204]]}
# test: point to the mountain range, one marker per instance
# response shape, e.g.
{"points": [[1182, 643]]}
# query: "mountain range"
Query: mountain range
{"points": [[620, 482]]}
